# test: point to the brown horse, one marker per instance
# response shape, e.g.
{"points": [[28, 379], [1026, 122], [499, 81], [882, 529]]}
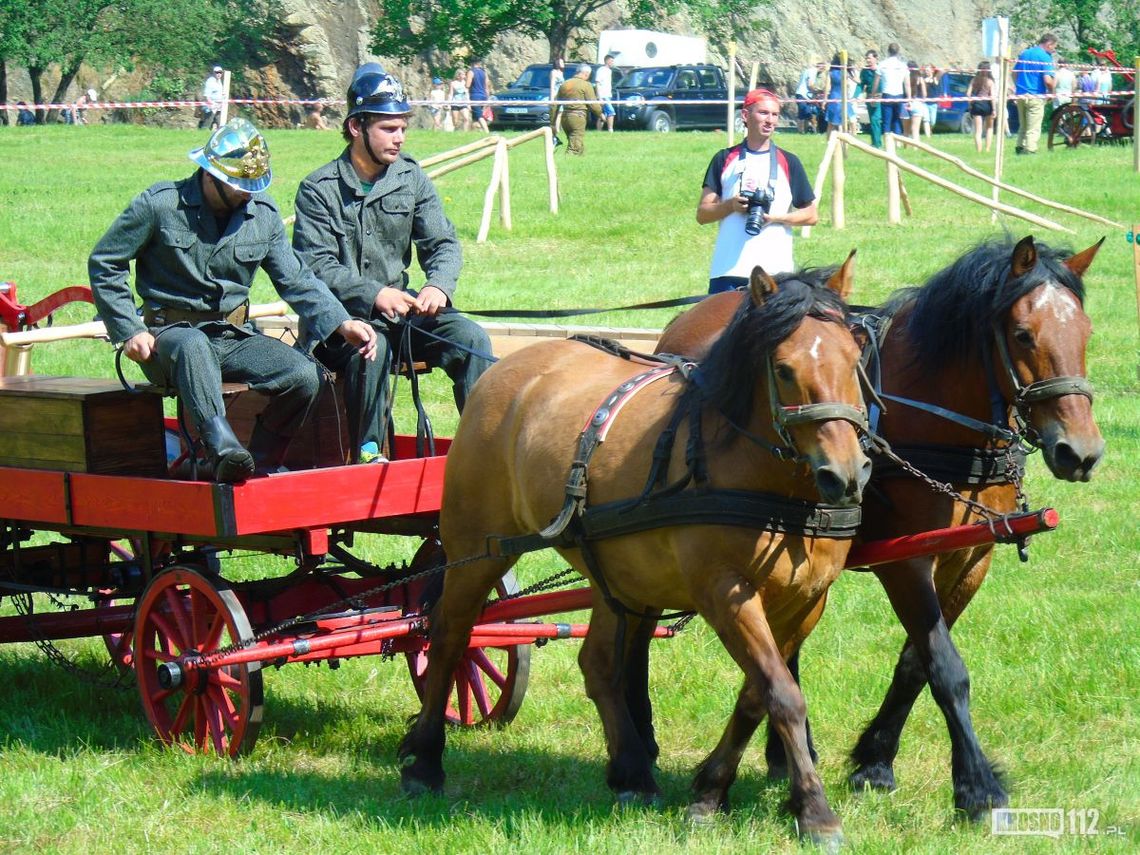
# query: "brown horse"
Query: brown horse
{"points": [[787, 351], [997, 342]]}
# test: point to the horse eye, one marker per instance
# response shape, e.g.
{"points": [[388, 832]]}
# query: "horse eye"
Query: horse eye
{"points": [[1023, 337], [785, 373]]}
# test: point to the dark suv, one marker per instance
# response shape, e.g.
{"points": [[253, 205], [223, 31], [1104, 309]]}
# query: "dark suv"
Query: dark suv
{"points": [[953, 109], [509, 107], [668, 97]]}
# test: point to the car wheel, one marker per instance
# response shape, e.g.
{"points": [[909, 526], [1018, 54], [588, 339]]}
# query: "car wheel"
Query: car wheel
{"points": [[966, 125], [660, 121]]}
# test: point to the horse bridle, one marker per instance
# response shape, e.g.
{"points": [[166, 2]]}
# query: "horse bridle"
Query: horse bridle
{"points": [[788, 416], [1026, 395]]}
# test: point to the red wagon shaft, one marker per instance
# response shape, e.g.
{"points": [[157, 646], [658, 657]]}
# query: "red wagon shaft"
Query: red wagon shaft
{"points": [[366, 634]]}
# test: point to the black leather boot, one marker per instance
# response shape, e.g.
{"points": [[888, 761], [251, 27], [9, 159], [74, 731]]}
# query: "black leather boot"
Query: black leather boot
{"points": [[231, 461], [268, 449]]}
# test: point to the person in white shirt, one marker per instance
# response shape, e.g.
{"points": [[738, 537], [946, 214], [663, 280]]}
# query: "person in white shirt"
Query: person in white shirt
{"points": [[893, 85], [1063, 85], [755, 193], [214, 94], [604, 86]]}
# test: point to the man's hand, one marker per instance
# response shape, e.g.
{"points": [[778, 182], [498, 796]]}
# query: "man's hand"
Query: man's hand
{"points": [[430, 301], [394, 303], [139, 347], [360, 335]]}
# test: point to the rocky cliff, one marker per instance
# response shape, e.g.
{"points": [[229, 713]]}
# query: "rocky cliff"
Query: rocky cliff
{"points": [[326, 39]]}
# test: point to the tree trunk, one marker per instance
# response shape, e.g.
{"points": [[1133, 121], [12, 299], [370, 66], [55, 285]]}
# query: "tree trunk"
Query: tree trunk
{"points": [[3, 92], [34, 74], [60, 95]]}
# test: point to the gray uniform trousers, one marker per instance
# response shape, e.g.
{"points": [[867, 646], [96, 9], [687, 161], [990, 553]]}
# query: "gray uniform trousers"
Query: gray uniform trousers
{"points": [[366, 383], [197, 359]]}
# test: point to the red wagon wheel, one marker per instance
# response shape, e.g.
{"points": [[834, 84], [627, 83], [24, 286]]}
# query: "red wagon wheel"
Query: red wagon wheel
{"points": [[183, 611], [489, 683], [1071, 126]]}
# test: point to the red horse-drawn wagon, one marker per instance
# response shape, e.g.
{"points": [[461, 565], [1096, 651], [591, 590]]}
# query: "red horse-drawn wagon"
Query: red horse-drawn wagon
{"points": [[90, 513], [1087, 119]]}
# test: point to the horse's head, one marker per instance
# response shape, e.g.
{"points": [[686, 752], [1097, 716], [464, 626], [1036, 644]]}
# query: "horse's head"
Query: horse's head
{"points": [[1040, 357], [786, 366]]}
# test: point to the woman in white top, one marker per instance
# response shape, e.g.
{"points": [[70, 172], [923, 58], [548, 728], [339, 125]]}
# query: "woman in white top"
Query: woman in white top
{"points": [[457, 95]]}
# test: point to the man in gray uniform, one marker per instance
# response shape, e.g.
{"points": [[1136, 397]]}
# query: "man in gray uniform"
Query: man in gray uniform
{"points": [[197, 244], [358, 218]]}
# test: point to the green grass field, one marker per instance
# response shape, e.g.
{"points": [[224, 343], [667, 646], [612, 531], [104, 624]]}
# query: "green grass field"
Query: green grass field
{"points": [[1051, 645]]}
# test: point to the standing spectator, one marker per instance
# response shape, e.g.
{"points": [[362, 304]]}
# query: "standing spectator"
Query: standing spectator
{"points": [[460, 108], [1033, 80], [867, 91], [894, 87], [436, 101], [214, 94], [584, 98], [196, 245], [982, 106], [79, 111], [557, 76], [604, 84], [932, 80], [359, 219], [835, 83], [806, 109], [24, 116], [315, 119], [1064, 84], [1086, 85], [479, 90], [1103, 78], [753, 231], [916, 105]]}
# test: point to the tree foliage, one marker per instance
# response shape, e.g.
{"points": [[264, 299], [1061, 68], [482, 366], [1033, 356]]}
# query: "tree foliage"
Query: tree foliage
{"points": [[177, 38], [409, 29], [1079, 24]]}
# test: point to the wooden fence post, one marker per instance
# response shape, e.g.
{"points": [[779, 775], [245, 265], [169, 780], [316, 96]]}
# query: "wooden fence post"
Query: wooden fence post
{"points": [[504, 186], [551, 172], [838, 183], [894, 215]]}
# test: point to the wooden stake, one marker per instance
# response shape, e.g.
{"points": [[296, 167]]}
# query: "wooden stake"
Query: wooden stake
{"points": [[500, 153], [894, 216], [893, 159], [838, 185], [730, 124], [551, 173], [820, 175], [504, 186], [969, 170]]}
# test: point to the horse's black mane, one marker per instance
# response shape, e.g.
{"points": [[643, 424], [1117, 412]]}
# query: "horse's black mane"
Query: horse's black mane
{"points": [[954, 310], [728, 372]]}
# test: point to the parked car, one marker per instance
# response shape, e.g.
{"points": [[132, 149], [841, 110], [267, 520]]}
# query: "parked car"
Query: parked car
{"points": [[647, 98], [509, 107], [953, 110]]}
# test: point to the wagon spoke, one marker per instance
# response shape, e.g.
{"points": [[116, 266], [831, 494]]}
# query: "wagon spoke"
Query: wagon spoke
{"points": [[176, 610], [184, 709], [226, 680], [478, 688], [463, 696], [212, 638], [480, 659]]}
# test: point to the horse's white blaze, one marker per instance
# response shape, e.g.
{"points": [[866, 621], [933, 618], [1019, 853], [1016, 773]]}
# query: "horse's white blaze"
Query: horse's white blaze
{"points": [[814, 351], [1062, 303]]}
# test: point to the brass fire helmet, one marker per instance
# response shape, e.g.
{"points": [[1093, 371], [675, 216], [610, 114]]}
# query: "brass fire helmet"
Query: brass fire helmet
{"points": [[238, 155]]}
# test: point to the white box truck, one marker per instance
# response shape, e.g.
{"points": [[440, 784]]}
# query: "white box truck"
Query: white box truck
{"points": [[632, 48]]}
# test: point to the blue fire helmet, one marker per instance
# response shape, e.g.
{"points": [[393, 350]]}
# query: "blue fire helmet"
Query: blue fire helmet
{"points": [[238, 155], [376, 92]]}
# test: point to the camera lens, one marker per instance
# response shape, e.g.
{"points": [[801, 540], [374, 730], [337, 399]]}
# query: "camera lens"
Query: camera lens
{"points": [[755, 220]]}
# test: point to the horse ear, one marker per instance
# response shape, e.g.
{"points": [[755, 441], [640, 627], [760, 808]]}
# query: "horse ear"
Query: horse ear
{"points": [[842, 281], [761, 286], [1024, 257], [1080, 262]]}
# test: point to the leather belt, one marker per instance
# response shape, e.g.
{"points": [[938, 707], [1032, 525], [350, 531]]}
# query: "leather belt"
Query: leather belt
{"points": [[164, 316]]}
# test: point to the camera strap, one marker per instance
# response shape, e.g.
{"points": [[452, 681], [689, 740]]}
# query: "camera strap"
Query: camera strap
{"points": [[773, 165]]}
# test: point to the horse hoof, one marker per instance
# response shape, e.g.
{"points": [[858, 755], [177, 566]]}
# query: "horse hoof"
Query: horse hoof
{"points": [[980, 811], [637, 798], [877, 776], [825, 841], [704, 813], [416, 785]]}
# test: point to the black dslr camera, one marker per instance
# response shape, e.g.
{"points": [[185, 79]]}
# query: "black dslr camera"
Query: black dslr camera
{"points": [[759, 201]]}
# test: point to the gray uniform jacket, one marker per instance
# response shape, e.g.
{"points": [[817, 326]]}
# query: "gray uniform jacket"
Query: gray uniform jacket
{"points": [[361, 242], [181, 262]]}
